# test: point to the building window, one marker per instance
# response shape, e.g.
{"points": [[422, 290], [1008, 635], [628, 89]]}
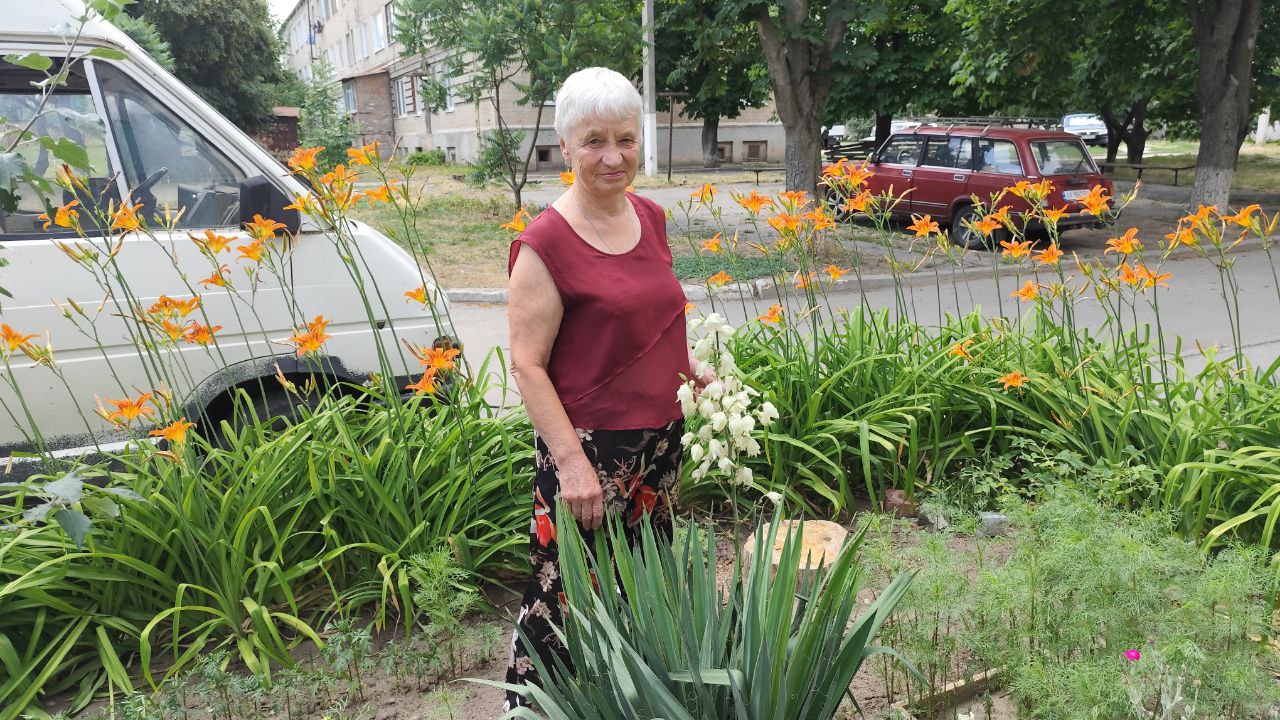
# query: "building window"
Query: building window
{"points": [[390, 15], [347, 55], [349, 96], [448, 92], [406, 96], [451, 154], [755, 151], [724, 151], [378, 31]]}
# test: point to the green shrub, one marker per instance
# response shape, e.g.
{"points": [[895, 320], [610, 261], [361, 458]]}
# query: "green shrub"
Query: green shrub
{"points": [[420, 158], [499, 153]]}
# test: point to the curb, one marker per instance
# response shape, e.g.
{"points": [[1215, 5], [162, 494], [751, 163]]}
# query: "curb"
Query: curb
{"points": [[758, 288]]}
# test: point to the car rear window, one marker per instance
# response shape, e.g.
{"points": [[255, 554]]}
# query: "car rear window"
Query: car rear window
{"points": [[1061, 157]]}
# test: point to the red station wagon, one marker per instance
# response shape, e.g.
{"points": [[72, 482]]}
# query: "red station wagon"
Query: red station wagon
{"points": [[944, 167]]}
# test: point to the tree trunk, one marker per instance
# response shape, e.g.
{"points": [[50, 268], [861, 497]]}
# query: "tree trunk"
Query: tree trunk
{"points": [[884, 126], [1115, 132], [800, 74], [711, 141], [1225, 32], [1135, 139]]}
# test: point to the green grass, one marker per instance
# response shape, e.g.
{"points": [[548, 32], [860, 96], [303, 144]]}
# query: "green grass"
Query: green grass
{"points": [[1258, 169]]}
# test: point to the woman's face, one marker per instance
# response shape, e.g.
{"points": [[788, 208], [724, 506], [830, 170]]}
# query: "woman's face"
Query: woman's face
{"points": [[603, 153]]}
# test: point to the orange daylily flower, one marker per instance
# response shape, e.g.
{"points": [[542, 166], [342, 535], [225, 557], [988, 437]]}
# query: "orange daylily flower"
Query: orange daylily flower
{"points": [[712, 245], [519, 222], [1029, 291], [439, 358], [961, 349], [923, 225], [305, 204], [66, 216], [318, 324], [783, 222], [1126, 244], [1001, 215], [218, 278], [704, 194], [805, 280], [1014, 379], [568, 177], [304, 160], [125, 217], [858, 203], [1049, 256], [835, 273], [1200, 218], [309, 342], [1126, 274], [859, 174], [820, 219], [198, 334], [12, 338], [986, 225], [127, 409], [1096, 201], [366, 155], [774, 315], [720, 279], [1147, 278], [211, 241], [1014, 249], [175, 432], [794, 200], [251, 251], [337, 179], [381, 193], [426, 385], [171, 329], [838, 169], [163, 306], [688, 307], [1053, 215], [1244, 218], [1181, 236], [754, 201], [261, 228], [419, 294]]}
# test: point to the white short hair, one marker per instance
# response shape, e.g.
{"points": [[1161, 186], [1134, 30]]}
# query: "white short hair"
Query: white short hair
{"points": [[595, 92]]}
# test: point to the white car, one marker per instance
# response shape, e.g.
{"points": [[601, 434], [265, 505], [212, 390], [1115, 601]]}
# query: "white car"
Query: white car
{"points": [[1088, 127], [152, 139]]}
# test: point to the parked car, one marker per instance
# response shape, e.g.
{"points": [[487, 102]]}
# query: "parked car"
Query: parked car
{"points": [[1086, 126], [895, 126], [151, 139], [940, 169]]}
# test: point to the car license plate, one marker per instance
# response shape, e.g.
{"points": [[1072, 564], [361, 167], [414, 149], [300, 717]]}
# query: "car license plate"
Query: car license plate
{"points": [[1074, 194]]}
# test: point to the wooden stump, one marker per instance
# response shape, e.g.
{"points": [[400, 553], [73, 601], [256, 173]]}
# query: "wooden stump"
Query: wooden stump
{"points": [[820, 544]]}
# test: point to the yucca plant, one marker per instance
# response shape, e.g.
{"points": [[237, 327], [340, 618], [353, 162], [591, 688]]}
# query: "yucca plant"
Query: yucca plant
{"points": [[672, 641]]}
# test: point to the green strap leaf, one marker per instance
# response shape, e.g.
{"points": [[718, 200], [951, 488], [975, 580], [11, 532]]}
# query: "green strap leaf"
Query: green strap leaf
{"points": [[108, 54]]}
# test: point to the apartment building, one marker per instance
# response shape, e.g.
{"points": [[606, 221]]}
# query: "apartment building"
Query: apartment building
{"points": [[381, 89]]}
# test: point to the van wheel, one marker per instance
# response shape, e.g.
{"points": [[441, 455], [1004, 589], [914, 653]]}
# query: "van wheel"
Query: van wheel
{"points": [[275, 407], [962, 234]]}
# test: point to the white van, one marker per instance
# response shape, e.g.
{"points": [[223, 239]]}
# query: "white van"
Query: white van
{"points": [[151, 139]]}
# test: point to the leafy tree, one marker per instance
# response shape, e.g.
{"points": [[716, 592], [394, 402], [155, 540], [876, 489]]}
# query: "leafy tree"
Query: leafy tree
{"points": [[321, 123], [712, 57], [225, 50], [1225, 34], [1128, 61], [141, 31], [526, 47], [799, 42], [896, 56]]}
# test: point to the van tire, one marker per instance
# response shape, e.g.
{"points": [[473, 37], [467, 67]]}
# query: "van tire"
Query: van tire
{"points": [[966, 237], [280, 407]]}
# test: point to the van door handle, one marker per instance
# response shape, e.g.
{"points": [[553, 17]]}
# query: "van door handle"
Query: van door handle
{"points": [[906, 173], [958, 177]]}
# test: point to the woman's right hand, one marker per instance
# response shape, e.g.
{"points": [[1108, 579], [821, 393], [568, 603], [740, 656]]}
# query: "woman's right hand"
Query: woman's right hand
{"points": [[580, 490]]}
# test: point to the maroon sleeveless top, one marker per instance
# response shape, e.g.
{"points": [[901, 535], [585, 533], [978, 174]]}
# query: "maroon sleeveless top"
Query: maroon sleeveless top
{"points": [[620, 350]]}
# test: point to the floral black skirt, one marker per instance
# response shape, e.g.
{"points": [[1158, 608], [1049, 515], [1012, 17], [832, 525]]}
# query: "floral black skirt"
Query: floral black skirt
{"points": [[639, 472]]}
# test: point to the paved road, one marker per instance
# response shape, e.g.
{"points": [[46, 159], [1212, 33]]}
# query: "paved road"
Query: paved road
{"points": [[1191, 308]]}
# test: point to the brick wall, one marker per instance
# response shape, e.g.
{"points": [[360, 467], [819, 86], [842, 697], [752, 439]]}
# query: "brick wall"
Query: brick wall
{"points": [[373, 109]]}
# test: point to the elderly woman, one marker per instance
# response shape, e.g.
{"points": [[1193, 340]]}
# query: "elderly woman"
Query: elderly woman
{"points": [[598, 347]]}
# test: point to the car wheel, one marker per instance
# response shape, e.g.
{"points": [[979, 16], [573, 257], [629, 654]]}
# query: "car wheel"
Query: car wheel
{"points": [[963, 234], [835, 205]]}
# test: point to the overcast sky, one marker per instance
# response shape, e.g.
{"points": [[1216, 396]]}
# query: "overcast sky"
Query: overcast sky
{"points": [[281, 8]]}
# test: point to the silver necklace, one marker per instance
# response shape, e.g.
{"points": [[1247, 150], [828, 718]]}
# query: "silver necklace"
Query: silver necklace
{"points": [[594, 229]]}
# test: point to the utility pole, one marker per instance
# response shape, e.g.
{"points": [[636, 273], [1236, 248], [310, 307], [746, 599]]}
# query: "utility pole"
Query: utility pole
{"points": [[650, 130]]}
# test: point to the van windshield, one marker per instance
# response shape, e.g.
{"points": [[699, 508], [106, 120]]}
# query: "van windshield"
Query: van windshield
{"points": [[1062, 157]]}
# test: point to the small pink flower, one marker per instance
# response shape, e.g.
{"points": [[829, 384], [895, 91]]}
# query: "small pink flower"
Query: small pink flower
{"points": [[1132, 655]]}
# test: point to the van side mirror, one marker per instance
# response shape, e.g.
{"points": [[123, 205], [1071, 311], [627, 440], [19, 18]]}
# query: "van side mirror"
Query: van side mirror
{"points": [[259, 196]]}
